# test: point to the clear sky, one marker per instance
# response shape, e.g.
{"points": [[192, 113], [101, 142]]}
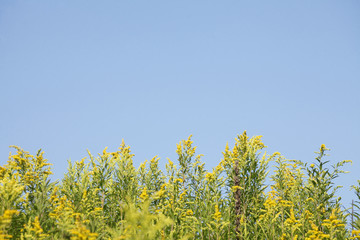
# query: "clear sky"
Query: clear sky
{"points": [[79, 75]]}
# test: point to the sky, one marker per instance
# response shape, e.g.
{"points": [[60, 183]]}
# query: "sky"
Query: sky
{"points": [[78, 75]]}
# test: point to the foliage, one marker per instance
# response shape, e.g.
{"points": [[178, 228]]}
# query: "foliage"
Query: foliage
{"points": [[107, 197]]}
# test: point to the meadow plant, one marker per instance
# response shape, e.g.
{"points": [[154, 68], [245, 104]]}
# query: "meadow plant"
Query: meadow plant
{"points": [[107, 197]]}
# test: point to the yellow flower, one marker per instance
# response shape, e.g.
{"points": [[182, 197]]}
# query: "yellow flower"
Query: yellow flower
{"points": [[143, 165], [144, 194], [2, 171], [235, 188], [170, 163], [308, 214], [209, 176], [81, 232], [283, 237], [6, 217], [217, 214], [189, 212], [178, 149], [37, 228], [104, 151], [219, 168], [286, 203], [323, 148], [178, 180], [182, 194]]}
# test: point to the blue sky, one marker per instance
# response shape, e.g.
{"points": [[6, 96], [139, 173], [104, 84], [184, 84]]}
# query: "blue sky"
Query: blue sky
{"points": [[79, 75]]}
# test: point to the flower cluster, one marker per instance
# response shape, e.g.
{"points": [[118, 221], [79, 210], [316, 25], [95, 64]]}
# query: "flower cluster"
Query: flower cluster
{"points": [[107, 197]]}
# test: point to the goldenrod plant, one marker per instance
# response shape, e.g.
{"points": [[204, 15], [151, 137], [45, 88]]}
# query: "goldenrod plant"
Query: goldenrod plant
{"points": [[355, 225], [242, 197]]}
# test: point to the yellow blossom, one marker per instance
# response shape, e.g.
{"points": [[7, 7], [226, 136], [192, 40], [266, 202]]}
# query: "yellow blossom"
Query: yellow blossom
{"points": [[323, 148], [178, 180], [170, 163], [144, 194], [235, 188], [189, 212], [182, 194], [217, 214], [209, 176]]}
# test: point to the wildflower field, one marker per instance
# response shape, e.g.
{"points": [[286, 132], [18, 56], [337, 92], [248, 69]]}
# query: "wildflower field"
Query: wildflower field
{"points": [[107, 197]]}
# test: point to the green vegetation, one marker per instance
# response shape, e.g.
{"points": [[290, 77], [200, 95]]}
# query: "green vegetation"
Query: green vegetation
{"points": [[106, 197]]}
